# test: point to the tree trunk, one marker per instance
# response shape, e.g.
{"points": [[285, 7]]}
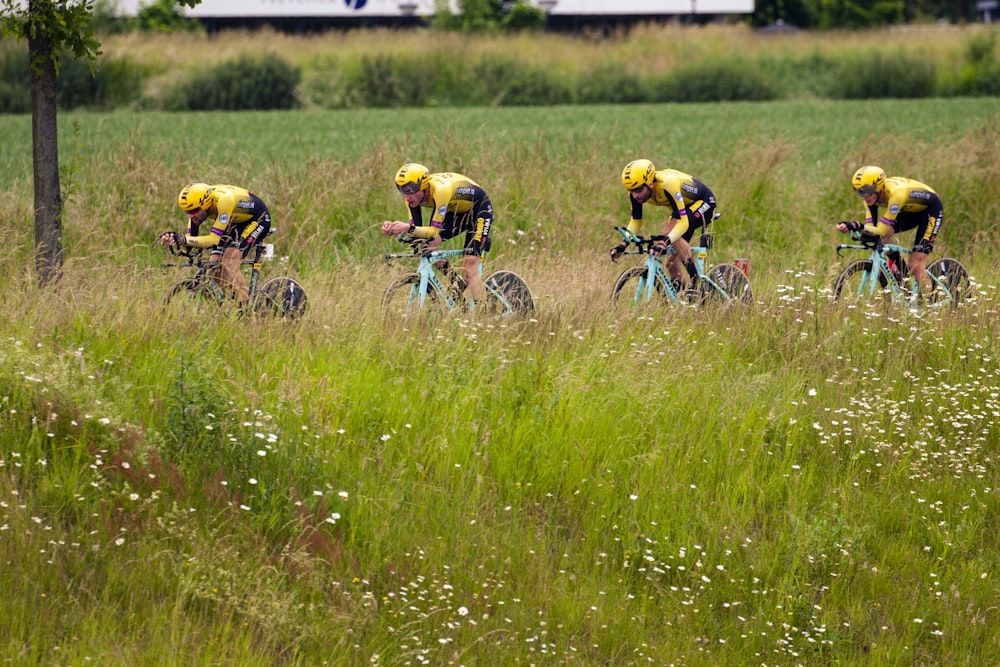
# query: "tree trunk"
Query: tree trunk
{"points": [[45, 149]]}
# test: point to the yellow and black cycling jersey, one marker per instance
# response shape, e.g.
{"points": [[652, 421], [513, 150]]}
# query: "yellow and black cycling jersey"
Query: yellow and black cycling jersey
{"points": [[231, 207], [902, 196], [458, 204], [691, 202]]}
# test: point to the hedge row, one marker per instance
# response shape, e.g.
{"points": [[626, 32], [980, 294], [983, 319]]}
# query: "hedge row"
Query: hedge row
{"points": [[269, 82]]}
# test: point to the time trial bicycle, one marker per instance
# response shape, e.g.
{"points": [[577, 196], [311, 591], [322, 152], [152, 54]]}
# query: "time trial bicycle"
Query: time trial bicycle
{"points": [[649, 282], [279, 297], [885, 275], [436, 284]]}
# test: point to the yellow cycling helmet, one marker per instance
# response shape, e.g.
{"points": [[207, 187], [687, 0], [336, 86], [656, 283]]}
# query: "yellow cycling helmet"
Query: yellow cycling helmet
{"points": [[868, 180], [195, 196], [411, 177], [637, 173]]}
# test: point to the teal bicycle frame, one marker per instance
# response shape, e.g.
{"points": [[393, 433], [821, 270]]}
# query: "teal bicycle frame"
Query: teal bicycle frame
{"points": [[430, 281], [876, 274], [725, 281], [654, 265], [873, 275], [507, 293], [948, 277], [280, 296]]}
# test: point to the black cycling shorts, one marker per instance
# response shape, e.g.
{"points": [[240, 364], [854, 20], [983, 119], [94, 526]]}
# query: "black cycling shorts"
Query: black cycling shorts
{"points": [[246, 234], [926, 222]]}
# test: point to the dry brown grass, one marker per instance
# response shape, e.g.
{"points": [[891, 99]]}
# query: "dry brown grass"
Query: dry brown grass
{"points": [[643, 48]]}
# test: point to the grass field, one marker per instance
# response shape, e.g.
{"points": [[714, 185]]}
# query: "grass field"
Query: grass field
{"points": [[641, 51], [799, 484]]}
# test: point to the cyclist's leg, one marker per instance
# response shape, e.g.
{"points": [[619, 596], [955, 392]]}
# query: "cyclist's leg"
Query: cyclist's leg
{"points": [[477, 242], [684, 249], [215, 270], [245, 237], [704, 212], [918, 268], [232, 277], [924, 244], [474, 281]]}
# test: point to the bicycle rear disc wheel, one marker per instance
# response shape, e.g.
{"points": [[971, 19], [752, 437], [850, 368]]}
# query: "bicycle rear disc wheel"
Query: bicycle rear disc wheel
{"points": [[630, 290], [727, 284], [281, 297], [402, 297], [953, 277], [191, 294], [514, 291], [858, 282]]}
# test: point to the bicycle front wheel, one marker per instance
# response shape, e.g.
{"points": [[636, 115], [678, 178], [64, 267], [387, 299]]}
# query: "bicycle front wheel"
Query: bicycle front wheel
{"points": [[631, 290], [508, 294], [402, 298], [950, 281], [727, 284], [859, 282], [191, 294], [282, 298]]}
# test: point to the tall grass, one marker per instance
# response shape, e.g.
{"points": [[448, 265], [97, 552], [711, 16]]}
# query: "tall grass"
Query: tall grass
{"points": [[780, 171], [575, 490], [801, 483], [426, 68], [640, 49]]}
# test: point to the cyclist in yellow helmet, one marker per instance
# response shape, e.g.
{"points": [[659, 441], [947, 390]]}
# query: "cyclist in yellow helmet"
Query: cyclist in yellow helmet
{"points": [[239, 220], [692, 206], [908, 205], [458, 204]]}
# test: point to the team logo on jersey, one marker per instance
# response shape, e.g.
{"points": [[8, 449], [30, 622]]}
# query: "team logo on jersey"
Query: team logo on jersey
{"points": [[251, 232], [223, 219], [678, 196], [894, 209], [443, 209]]}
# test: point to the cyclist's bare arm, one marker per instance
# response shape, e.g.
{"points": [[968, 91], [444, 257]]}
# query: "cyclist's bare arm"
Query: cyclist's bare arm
{"points": [[397, 227], [866, 228]]}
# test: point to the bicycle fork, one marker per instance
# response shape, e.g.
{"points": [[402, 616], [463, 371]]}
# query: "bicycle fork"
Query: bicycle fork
{"points": [[419, 291], [646, 287], [868, 281], [428, 284]]}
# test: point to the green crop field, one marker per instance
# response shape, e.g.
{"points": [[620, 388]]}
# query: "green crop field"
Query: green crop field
{"points": [[797, 483]]}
